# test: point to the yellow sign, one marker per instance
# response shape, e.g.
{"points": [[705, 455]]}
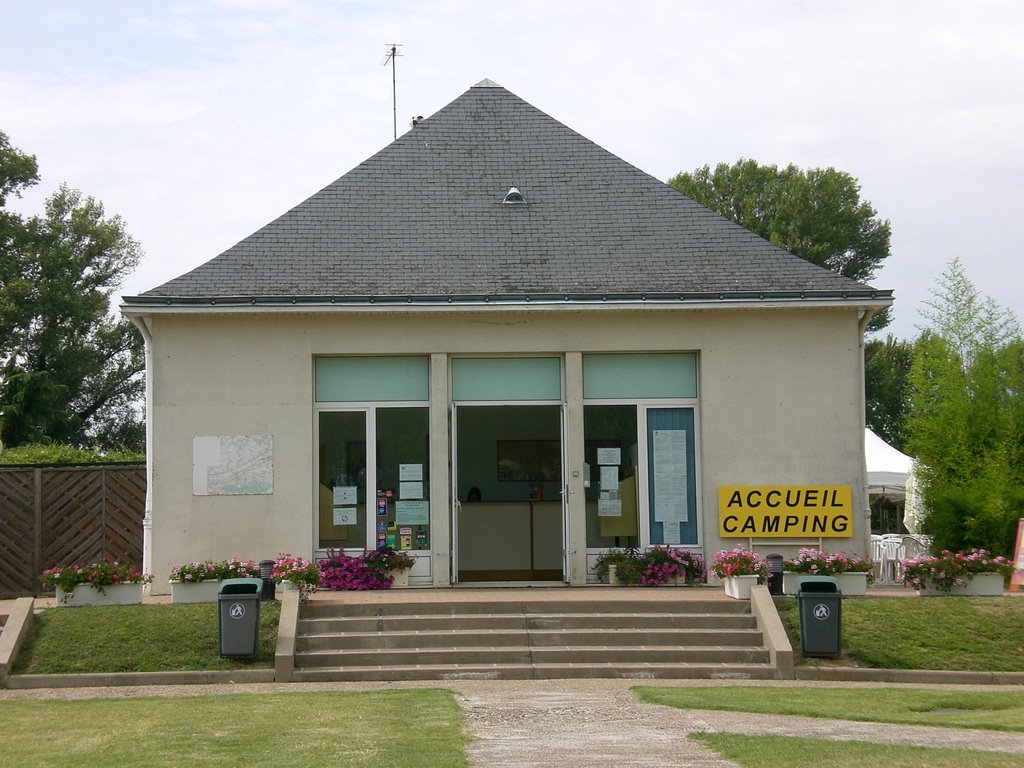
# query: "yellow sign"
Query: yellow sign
{"points": [[785, 511]]}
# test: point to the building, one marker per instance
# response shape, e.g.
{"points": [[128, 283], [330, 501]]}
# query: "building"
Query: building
{"points": [[499, 346]]}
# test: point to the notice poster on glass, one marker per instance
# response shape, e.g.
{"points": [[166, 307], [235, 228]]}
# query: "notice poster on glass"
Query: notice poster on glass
{"points": [[410, 472], [609, 478], [344, 516], [609, 505], [412, 512], [410, 490], [344, 494], [670, 533], [609, 456], [670, 476]]}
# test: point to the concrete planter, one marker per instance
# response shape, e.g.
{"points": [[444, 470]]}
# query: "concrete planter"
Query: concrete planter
{"points": [[400, 578], [613, 575], [195, 591], [739, 586], [114, 594], [853, 584], [789, 582], [982, 585], [850, 584]]}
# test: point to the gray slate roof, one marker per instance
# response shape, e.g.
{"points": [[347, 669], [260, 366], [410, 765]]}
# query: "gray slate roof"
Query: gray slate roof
{"points": [[423, 220]]}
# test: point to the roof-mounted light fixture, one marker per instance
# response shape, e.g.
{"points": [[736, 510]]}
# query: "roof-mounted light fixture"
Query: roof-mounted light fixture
{"points": [[514, 197]]}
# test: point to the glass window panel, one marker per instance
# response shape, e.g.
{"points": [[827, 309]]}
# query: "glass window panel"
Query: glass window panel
{"points": [[372, 379], [610, 452], [671, 471], [342, 487], [640, 376], [507, 378]]}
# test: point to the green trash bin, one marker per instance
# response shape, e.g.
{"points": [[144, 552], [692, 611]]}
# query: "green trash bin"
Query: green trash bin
{"points": [[820, 602], [238, 617]]}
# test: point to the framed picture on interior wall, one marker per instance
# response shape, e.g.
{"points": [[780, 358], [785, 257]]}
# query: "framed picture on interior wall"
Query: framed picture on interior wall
{"points": [[529, 461]]}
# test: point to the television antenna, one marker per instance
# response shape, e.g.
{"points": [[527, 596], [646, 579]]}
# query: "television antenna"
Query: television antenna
{"points": [[392, 54]]}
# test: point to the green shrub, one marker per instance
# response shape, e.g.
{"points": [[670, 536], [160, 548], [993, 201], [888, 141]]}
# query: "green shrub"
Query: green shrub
{"points": [[982, 515], [56, 454]]}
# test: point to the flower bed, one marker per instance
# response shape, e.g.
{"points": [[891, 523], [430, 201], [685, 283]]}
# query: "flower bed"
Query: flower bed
{"points": [[653, 568], [739, 562], [209, 570], [671, 565], [740, 570], [952, 571], [374, 569], [94, 578], [814, 562], [303, 574], [818, 563], [199, 582]]}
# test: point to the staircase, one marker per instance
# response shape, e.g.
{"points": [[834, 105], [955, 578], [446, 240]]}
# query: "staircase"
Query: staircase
{"points": [[527, 638]]}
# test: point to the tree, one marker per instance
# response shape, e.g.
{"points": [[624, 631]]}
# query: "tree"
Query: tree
{"points": [[887, 387], [815, 214], [69, 371], [966, 416]]}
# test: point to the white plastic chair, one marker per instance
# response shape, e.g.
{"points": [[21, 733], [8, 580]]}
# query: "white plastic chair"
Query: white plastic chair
{"points": [[876, 554], [892, 553]]}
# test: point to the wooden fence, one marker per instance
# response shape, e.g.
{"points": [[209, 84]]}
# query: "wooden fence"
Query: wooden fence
{"points": [[65, 515]]}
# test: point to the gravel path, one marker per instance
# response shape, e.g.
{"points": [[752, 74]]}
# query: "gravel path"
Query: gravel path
{"points": [[559, 724]]}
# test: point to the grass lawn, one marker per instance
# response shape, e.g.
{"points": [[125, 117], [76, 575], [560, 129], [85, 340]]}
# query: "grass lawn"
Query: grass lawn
{"points": [[775, 751], [991, 710], [966, 633], [951, 633], [136, 638], [387, 729]]}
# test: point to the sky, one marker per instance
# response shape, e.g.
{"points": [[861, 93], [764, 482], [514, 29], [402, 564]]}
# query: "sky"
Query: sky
{"points": [[199, 121]]}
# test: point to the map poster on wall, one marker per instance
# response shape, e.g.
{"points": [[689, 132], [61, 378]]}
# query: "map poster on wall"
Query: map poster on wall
{"points": [[670, 476], [233, 465]]}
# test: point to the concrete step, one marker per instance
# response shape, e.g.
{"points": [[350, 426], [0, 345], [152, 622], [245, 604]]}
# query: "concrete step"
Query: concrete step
{"points": [[528, 638], [512, 655], [328, 609], [538, 672], [418, 622], [536, 638]]}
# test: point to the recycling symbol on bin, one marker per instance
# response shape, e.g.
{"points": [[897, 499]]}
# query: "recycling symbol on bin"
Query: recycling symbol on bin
{"points": [[236, 611], [821, 612]]}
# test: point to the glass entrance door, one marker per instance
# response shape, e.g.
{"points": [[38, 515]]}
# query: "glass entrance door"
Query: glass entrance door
{"points": [[508, 521]]}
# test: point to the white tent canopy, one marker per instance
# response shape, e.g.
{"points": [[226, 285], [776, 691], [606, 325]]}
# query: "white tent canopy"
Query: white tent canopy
{"points": [[891, 473], [888, 469]]}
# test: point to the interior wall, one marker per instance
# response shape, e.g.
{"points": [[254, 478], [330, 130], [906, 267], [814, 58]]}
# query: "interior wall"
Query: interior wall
{"points": [[480, 429]]}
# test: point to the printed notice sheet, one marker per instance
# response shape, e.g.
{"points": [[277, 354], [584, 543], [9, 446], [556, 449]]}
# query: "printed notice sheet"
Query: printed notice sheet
{"points": [[670, 476]]}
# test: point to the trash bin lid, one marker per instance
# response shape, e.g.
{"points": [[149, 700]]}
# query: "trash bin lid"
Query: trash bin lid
{"points": [[818, 585], [241, 587]]}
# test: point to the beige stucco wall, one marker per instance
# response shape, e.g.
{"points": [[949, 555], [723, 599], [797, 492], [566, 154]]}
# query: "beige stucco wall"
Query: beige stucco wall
{"points": [[780, 403]]}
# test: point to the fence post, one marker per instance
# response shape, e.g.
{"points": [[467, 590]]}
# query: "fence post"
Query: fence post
{"points": [[37, 528]]}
